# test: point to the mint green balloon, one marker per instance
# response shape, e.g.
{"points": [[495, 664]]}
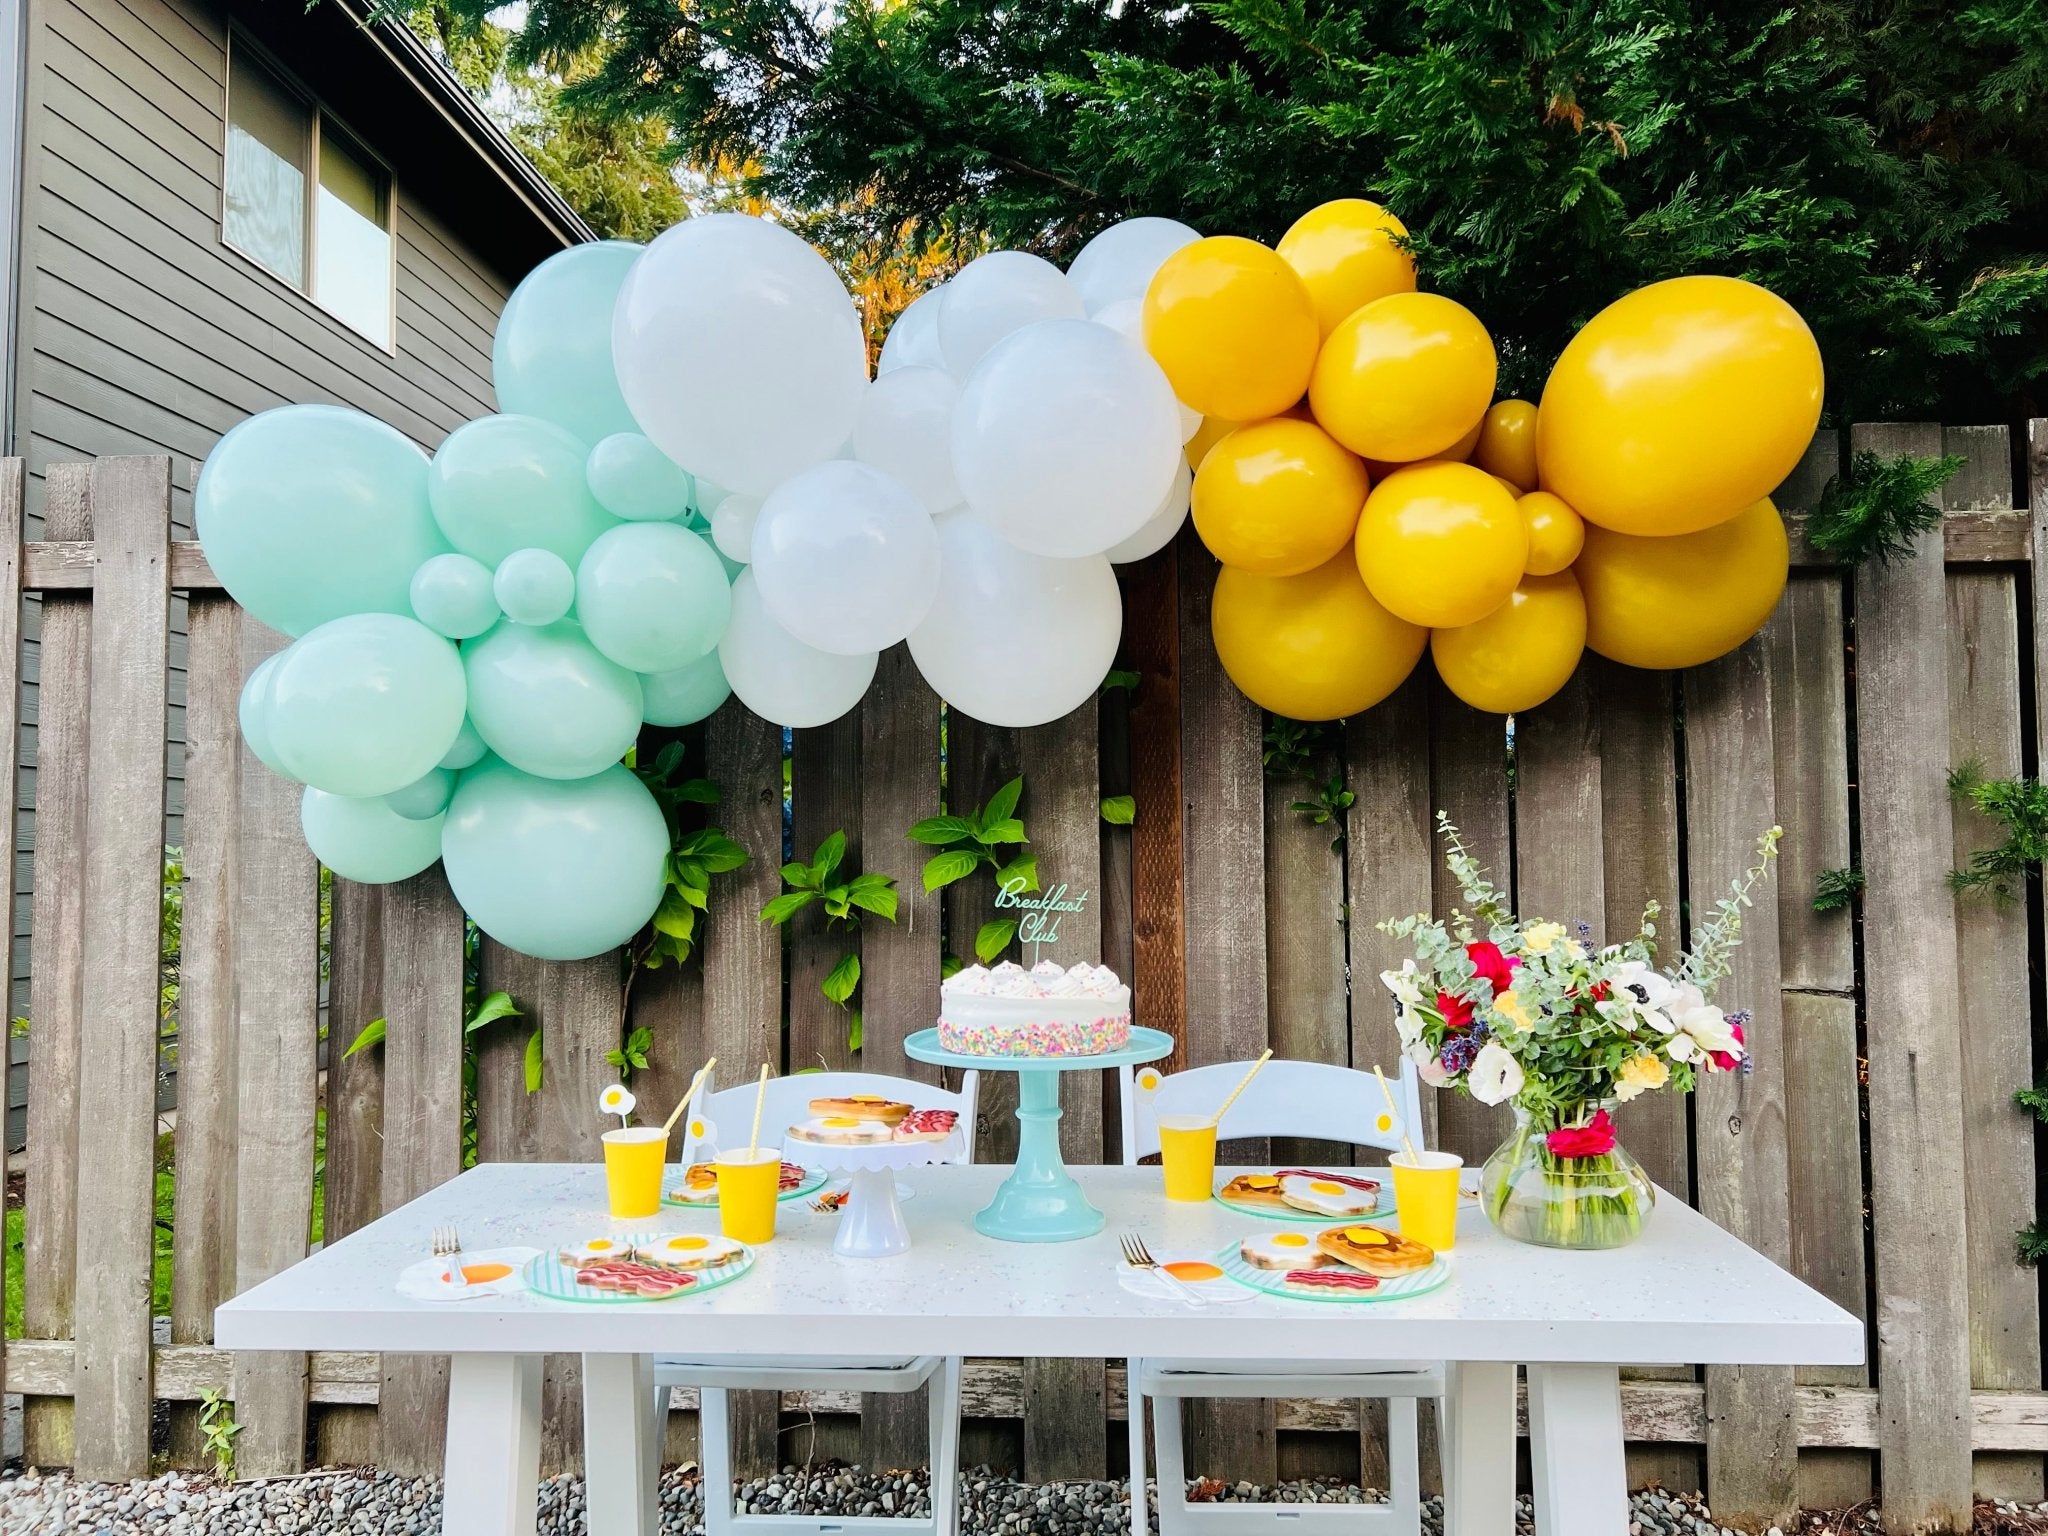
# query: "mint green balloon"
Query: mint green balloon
{"points": [[425, 798], [686, 695], [558, 869], [451, 595], [552, 353], [365, 840], [534, 586], [254, 713], [469, 748], [309, 512], [633, 479], [547, 703], [502, 483], [653, 596], [364, 705]]}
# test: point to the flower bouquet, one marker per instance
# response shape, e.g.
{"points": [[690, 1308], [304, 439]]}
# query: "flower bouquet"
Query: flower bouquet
{"points": [[1531, 1014]]}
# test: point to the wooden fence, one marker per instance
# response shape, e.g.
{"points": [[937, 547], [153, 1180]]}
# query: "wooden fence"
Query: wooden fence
{"points": [[1874, 1149]]}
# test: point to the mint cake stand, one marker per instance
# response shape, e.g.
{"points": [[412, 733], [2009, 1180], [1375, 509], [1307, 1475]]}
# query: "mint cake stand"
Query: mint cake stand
{"points": [[1039, 1202]]}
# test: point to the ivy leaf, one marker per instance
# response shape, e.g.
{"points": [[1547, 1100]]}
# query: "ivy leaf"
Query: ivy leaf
{"points": [[370, 1034], [498, 1005], [1008, 830], [1002, 805], [676, 916], [802, 877], [533, 1063], [1024, 869], [840, 981], [944, 868], [782, 908], [994, 938], [830, 852], [668, 759], [878, 899], [713, 849], [1119, 810], [941, 830]]}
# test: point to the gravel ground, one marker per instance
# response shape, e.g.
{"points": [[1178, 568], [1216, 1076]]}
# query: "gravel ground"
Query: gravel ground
{"points": [[352, 1501]]}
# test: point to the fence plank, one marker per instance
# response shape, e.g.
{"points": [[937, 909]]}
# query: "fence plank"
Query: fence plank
{"points": [[423, 1132], [1151, 648], [1113, 880], [355, 1084], [1913, 1045], [1223, 875], [124, 829], [12, 485], [277, 1021], [1304, 899], [668, 1001], [1390, 855], [1991, 954], [825, 781], [203, 1213], [980, 759], [56, 966]]}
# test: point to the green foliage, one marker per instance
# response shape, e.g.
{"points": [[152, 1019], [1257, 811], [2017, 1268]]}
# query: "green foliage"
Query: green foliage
{"points": [[2019, 806], [695, 855], [1121, 680], [1119, 810], [1877, 510], [2032, 1239], [978, 839], [1835, 890], [1329, 805], [217, 1427], [993, 937], [1288, 747], [844, 901], [630, 1055]]}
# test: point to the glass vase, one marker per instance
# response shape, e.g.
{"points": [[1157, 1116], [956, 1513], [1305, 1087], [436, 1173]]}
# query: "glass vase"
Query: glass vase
{"points": [[1534, 1196]]}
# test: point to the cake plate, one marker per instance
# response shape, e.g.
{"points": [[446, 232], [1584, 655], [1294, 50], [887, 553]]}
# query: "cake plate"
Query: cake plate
{"points": [[871, 1224], [1039, 1202]]}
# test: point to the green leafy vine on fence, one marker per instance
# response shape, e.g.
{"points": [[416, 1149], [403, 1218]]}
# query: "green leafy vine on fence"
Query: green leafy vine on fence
{"points": [[217, 1428], [1288, 750], [844, 901], [982, 838], [2018, 806], [1879, 507], [1836, 890]]}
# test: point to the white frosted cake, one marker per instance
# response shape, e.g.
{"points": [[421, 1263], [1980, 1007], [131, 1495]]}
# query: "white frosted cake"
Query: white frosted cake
{"points": [[1048, 1010]]}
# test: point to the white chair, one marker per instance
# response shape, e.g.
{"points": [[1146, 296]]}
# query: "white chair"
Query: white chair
{"points": [[731, 1113], [1289, 1098]]}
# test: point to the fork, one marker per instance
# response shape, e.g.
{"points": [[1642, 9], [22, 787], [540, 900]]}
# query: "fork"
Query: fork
{"points": [[448, 1248], [830, 1203], [1138, 1256]]}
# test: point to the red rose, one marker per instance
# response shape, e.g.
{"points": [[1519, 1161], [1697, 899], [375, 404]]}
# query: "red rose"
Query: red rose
{"points": [[1489, 962], [1593, 1139], [1456, 1011], [1724, 1060]]}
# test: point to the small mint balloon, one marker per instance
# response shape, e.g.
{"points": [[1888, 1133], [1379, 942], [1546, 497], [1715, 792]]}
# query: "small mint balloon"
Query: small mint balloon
{"points": [[452, 596], [686, 695], [534, 586], [469, 748], [557, 869], [310, 512], [364, 840], [425, 797], [503, 483], [633, 479], [551, 356], [364, 705], [254, 713], [652, 596], [547, 703]]}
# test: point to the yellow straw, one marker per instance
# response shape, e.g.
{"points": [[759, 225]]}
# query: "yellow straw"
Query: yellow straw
{"points": [[1395, 1110], [1240, 1088], [760, 1100], [689, 1093]]}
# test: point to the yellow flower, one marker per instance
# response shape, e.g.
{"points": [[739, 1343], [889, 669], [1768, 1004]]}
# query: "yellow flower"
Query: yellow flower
{"points": [[1538, 937], [1509, 1005], [1641, 1073]]}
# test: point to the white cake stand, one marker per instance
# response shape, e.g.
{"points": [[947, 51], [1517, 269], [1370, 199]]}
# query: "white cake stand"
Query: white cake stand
{"points": [[871, 1225]]}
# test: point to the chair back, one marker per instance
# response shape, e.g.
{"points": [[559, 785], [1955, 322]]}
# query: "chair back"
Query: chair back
{"points": [[1288, 1098], [788, 1101]]}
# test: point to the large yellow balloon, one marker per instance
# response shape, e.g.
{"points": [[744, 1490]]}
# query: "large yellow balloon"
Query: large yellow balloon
{"points": [[1685, 599], [1349, 253], [1234, 328], [1279, 497], [1519, 654], [1556, 532], [1314, 646], [1507, 443], [1679, 405], [1404, 378], [1441, 544]]}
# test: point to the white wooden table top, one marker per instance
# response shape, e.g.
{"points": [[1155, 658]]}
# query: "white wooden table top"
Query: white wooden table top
{"points": [[1685, 1292]]}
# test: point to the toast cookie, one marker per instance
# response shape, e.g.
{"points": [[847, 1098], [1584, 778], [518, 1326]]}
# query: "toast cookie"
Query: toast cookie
{"points": [[1375, 1251]]}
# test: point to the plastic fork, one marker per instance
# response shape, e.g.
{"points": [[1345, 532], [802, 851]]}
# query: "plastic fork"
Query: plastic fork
{"points": [[1138, 1256], [448, 1249]]}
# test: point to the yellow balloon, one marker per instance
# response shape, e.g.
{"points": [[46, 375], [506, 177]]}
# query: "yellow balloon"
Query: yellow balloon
{"points": [[1441, 544], [1279, 497], [1684, 599], [1507, 443], [1404, 378], [1519, 654], [1311, 647], [1459, 452], [1233, 326], [1678, 406], [1211, 432], [1349, 253], [1556, 532]]}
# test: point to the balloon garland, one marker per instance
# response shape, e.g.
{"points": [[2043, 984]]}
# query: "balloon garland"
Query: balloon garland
{"points": [[693, 490]]}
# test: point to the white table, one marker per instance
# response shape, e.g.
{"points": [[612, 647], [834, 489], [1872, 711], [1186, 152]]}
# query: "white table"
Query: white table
{"points": [[1686, 1292]]}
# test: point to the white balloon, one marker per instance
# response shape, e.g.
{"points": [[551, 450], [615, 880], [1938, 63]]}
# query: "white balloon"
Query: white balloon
{"points": [[1164, 524], [739, 351], [994, 295], [1127, 318], [732, 527], [1015, 639], [913, 341], [780, 678], [846, 558], [1119, 262], [1065, 438], [905, 429]]}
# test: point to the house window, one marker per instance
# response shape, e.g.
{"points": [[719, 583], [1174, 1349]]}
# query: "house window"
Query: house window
{"points": [[303, 198]]}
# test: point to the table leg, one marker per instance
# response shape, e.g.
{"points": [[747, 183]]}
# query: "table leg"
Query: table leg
{"points": [[1479, 1449], [1577, 1462], [491, 1485], [621, 1448], [1039, 1202]]}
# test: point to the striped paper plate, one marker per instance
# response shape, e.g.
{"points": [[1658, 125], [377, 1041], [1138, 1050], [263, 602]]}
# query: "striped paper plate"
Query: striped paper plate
{"points": [[1273, 1282], [1313, 1218], [547, 1276]]}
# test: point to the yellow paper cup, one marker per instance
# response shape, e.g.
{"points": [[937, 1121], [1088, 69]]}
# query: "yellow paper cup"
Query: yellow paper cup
{"points": [[1426, 1196], [632, 1170], [1187, 1153], [747, 1187]]}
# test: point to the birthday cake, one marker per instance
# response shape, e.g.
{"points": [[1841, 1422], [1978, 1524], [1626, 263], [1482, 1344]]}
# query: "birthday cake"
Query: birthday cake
{"points": [[1048, 1010]]}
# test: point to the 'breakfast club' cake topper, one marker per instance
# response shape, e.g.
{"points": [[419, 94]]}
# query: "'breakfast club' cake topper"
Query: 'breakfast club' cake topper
{"points": [[1038, 922]]}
